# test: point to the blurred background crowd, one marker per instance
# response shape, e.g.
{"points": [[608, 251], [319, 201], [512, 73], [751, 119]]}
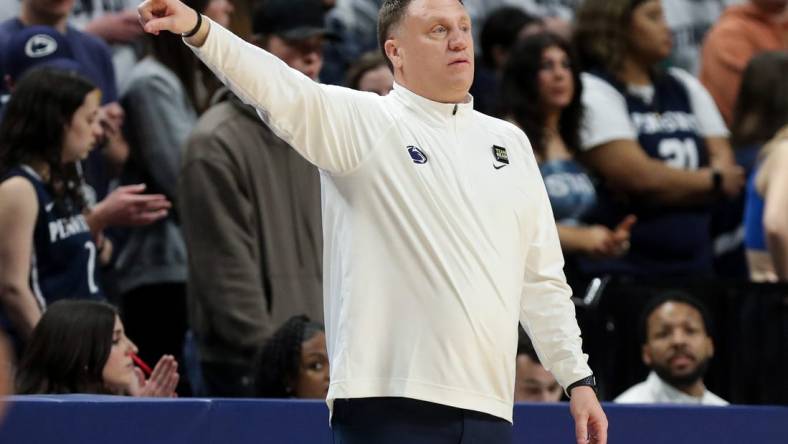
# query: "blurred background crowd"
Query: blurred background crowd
{"points": [[157, 239]]}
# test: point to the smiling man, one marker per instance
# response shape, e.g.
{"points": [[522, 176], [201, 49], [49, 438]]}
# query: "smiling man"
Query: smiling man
{"points": [[438, 233], [677, 347]]}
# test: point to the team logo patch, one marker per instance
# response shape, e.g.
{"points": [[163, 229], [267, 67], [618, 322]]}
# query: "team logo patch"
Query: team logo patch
{"points": [[417, 154], [501, 157], [500, 154], [40, 45]]}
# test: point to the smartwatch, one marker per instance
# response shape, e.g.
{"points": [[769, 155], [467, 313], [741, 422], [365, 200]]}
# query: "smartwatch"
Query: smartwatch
{"points": [[589, 381]]}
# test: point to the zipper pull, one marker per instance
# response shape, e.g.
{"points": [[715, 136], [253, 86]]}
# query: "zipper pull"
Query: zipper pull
{"points": [[454, 113]]}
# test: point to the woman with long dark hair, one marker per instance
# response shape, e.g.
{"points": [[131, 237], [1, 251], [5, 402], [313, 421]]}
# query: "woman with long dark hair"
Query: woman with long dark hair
{"points": [[541, 90], [80, 347], [47, 251], [655, 139]]}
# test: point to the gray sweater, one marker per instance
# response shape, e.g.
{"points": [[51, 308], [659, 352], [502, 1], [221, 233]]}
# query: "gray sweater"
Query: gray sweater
{"points": [[159, 118]]}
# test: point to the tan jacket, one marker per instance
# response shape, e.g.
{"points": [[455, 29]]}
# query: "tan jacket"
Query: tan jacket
{"points": [[250, 210]]}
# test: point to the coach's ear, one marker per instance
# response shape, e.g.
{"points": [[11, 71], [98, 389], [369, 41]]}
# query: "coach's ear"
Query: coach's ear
{"points": [[394, 52]]}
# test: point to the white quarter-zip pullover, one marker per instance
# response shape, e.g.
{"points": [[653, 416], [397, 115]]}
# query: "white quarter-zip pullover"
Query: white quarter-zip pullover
{"points": [[438, 237]]}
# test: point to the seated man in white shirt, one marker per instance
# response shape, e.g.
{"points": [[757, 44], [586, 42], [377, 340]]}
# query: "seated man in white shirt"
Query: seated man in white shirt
{"points": [[677, 347]]}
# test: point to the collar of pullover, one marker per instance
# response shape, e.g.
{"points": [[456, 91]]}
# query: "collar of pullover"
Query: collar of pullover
{"points": [[433, 111]]}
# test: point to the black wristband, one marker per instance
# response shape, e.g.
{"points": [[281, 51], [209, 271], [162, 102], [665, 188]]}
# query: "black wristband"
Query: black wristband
{"points": [[589, 381], [195, 29]]}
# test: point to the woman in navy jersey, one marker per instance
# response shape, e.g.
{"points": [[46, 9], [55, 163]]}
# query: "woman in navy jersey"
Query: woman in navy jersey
{"points": [[655, 139], [541, 92], [47, 251]]}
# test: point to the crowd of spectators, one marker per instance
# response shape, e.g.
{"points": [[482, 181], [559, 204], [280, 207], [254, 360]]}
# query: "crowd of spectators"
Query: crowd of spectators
{"points": [[131, 178]]}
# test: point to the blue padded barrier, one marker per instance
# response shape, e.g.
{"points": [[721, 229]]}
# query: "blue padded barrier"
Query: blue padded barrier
{"points": [[88, 419]]}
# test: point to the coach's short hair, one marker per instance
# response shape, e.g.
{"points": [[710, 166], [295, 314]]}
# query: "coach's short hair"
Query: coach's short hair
{"points": [[390, 15]]}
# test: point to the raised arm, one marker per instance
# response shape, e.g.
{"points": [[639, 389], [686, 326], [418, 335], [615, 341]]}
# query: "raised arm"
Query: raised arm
{"points": [[332, 127]]}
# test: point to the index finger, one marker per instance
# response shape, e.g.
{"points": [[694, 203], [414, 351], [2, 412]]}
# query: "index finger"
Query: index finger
{"points": [[156, 25], [161, 369], [129, 15], [133, 188], [171, 385], [145, 198], [145, 10], [598, 434], [153, 205], [626, 224], [581, 429]]}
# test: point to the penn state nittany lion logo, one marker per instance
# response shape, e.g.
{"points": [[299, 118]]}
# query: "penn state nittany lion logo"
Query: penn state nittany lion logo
{"points": [[40, 45], [417, 154]]}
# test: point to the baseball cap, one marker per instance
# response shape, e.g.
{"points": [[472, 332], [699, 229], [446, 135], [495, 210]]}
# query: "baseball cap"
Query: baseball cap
{"points": [[37, 46], [291, 19]]}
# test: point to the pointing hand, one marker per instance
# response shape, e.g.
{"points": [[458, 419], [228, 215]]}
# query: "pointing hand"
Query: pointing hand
{"points": [[166, 15]]}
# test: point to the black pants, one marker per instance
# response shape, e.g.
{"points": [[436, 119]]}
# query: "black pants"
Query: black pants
{"points": [[409, 421], [154, 317]]}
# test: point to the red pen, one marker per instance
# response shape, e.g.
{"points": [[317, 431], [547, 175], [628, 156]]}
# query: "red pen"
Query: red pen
{"points": [[141, 364]]}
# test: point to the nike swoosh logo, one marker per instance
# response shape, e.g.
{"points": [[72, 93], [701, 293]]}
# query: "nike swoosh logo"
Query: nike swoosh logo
{"points": [[498, 167]]}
